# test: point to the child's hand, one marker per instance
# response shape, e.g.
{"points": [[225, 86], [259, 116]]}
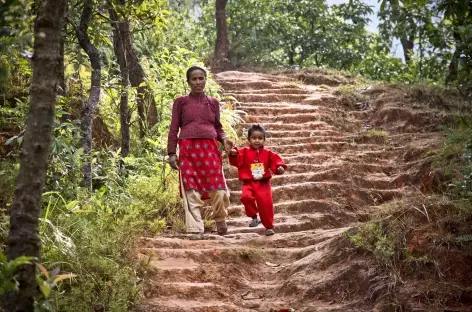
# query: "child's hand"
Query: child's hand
{"points": [[233, 151], [280, 170]]}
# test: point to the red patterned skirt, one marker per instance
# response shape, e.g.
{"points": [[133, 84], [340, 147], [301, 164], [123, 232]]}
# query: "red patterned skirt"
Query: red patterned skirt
{"points": [[201, 165]]}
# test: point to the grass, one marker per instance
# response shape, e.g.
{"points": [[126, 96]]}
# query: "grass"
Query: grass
{"points": [[455, 157], [93, 235], [413, 230], [426, 240], [421, 96], [250, 255], [376, 136], [348, 96]]}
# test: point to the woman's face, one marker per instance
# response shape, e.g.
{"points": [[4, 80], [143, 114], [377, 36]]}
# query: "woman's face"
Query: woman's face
{"points": [[197, 81]]}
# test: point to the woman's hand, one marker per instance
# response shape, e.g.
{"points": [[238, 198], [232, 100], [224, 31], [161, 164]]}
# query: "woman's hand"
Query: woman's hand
{"points": [[234, 151], [280, 170], [228, 144], [174, 162]]}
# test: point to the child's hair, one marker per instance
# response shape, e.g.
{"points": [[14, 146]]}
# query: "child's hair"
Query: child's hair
{"points": [[254, 128], [194, 68]]}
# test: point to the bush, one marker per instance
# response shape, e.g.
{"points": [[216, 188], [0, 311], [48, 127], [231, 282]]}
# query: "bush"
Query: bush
{"points": [[456, 157]]}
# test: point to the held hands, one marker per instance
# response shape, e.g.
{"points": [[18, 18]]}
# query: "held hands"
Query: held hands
{"points": [[280, 170], [228, 144], [233, 151], [174, 162]]}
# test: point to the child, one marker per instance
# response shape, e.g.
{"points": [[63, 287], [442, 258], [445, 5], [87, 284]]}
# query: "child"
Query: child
{"points": [[255, 164]]}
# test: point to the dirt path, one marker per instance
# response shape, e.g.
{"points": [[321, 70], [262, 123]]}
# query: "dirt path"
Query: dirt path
{"points": [[334, 176]]}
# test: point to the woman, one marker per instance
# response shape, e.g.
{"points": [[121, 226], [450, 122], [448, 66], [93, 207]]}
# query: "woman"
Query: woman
{"points": [[199, 163]]}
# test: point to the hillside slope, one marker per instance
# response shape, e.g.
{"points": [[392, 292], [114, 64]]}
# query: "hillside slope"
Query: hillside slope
{"points": [[344, 161]]}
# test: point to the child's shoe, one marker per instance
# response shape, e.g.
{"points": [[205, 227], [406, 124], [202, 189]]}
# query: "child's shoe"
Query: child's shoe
{"points": [[269, 232], [255, 222]]}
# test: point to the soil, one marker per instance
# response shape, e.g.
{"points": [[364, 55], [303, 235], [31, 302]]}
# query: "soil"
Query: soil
{"points": [[335, 179]]}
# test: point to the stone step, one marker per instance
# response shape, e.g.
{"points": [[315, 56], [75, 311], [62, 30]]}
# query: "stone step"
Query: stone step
{"points": [[279, 110], [290, 118], [191, 290], [321, 162], [270, 127], [326, 190], [237, 255], [323, 147], [359, 179], [270, 141], [235, 76], [379, 156], [274, 90], [268, 97], [298, 206], [281, 240], [331, 174], [286, 224], [303, 133], [179, 305]]}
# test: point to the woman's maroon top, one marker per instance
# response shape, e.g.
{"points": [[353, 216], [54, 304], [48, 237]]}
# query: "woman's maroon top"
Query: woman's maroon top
{"points": [[197, 118]]}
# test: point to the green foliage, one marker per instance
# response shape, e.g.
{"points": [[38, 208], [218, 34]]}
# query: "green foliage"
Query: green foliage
{"points": [[91, 234], [281, 33], [456, 157], [380, 65], [8, 269], [375, 238], [15, 33], [47, 282], [417, 22]]}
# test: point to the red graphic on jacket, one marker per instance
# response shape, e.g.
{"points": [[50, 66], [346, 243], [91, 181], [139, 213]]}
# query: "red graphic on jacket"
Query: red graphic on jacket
{"points": [[255, 168]]}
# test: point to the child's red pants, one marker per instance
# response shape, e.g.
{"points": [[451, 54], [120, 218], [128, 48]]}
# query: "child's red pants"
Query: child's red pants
{"points": [[257, 197]]}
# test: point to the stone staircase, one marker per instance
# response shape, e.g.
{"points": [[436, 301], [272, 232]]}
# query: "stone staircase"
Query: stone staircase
{"points": [[331, 184]]}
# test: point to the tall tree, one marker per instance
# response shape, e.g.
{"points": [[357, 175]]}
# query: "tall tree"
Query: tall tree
{"points": [[399, 22], [222, 41], [459, 13], [23, 238], [90, 105], [119, 31], [147, 110]]}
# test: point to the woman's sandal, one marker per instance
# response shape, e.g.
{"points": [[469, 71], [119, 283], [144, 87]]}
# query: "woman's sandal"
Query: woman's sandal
{"points": [[269, 232], [221, 227]]}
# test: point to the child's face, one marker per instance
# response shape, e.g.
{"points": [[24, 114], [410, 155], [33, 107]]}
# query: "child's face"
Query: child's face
{"points": [[257, 139]]}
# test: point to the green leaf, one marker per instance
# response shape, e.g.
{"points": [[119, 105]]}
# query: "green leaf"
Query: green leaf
{"points": [[72, 205], [45, 289]]}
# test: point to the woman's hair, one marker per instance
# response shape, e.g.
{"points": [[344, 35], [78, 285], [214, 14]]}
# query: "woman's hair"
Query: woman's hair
{"points": [[194, 68], [254, 128]]}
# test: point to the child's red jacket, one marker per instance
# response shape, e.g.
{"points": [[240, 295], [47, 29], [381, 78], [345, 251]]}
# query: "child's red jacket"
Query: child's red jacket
{"points": [[248, 156]]}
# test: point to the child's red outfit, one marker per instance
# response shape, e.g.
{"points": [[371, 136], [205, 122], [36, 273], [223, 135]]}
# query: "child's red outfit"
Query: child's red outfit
{"points": [[254, 170]]}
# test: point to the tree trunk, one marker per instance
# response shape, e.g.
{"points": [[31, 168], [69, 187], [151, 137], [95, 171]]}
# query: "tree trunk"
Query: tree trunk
{"points": [[90, 106], [136, 77], [120, 52], [23, 238], [222, 41], [408, 45], [62, 79]]}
